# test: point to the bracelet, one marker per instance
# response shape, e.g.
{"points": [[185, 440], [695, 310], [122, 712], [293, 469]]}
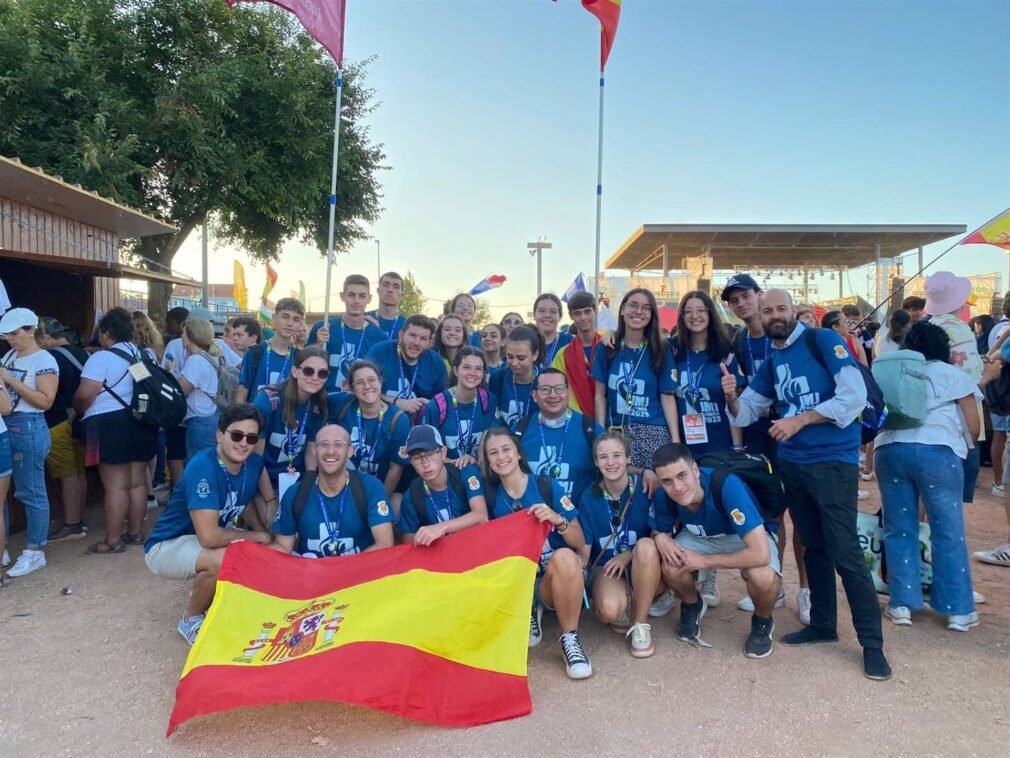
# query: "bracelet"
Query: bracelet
{"points": [[563, 528], [271, 500]]}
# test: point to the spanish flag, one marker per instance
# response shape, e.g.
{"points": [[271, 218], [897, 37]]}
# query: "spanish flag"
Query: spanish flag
{"points": [[996, 232], [438, 634], [609, 14]]}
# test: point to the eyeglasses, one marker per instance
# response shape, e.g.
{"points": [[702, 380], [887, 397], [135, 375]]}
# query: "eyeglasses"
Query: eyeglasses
{"points": [[423, 457], [335, 445], [512, 322], [636, 308], [237, 436], [553, 389], [322, 373], [695, 312]]}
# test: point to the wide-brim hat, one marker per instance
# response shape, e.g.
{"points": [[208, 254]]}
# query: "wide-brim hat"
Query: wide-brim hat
{"points": [[946, 293]]}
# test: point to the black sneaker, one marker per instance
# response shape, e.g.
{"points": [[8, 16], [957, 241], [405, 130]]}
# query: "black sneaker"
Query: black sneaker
{"points": [[536, 632], [577, 664], [875, 665], [759, 641], [690, 619], [76, 531], [808, 635]]}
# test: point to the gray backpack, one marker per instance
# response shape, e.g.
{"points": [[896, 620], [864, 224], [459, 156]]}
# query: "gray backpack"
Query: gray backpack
{"points": [[227, 381], [902, 377]]}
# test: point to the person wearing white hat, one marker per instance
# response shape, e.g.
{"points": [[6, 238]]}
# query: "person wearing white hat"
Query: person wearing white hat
{"points": [[31, 377]]}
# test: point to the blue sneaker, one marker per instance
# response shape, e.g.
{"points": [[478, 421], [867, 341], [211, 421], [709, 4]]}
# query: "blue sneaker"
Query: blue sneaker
{"points": [[190, 627]]}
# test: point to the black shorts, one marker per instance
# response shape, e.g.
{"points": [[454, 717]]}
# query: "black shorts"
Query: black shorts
{"points": [[118, 437], [175, 443]]}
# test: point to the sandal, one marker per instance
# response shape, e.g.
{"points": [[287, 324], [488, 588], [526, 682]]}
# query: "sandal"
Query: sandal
{"points": [[134, 539], [5, 581], [868, 476], [104, 548]]}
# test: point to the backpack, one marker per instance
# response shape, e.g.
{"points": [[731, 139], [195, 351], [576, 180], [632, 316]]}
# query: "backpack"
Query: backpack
{"points": [[227, 381], [76, 423], [443, 404], [308, 481], [755, 471], [997, 392], [453, 479], [588, 428], [158, 400], [346, 407], [902, 377], [544, 486]]}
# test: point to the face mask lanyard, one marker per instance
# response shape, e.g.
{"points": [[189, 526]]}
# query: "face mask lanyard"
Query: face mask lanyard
{"points": [[333, 528], [465, 443], [555, 469], [291, 444], [406, 395]]}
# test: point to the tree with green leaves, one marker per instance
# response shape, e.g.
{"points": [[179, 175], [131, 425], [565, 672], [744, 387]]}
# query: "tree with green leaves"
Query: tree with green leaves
{"points": [[192, 111], [482, 314], [413, 298]]}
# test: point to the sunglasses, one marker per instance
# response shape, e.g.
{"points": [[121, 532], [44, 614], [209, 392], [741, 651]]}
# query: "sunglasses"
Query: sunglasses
{"points": [[308, 371], [237, 436]]}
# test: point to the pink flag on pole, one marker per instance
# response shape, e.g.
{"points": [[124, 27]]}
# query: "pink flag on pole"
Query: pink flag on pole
{"points": [[323, 19]]}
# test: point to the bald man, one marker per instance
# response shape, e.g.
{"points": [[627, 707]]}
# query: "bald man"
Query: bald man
{"points": [[821, 393]]}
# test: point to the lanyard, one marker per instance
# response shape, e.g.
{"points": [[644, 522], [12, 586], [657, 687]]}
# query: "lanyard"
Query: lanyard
{"points": [[333, 528], [289, 444], [553, 351], [285, 367], [464, 443], [524, 407], [227, 483], [692, 393], [434, 505], [629, 376], [394, 328], [343, 339], [363, 440], [417, 368], [555, 469], [750, 354], [620, 533]]}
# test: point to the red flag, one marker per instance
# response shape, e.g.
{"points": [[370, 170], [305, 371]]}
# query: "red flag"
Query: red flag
{"points": [[609, 13], [323, 19], [996, 232]]}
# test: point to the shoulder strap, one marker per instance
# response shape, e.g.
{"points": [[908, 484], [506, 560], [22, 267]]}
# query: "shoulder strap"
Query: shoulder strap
{"points": [[482, 394], [443, 408], [358, 495], [70, 357], [273, 396], [490, 496], [813, 347], [523, 425], [739, 348], [589, 430], [417, 496], [305, 485], [392, 422], [546, 489], [454, 478], [257, 357], [343, 409], [131, 359], [719, 476]]}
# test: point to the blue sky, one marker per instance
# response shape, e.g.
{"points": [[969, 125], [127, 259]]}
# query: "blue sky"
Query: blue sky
{"points": [[718, 111]]}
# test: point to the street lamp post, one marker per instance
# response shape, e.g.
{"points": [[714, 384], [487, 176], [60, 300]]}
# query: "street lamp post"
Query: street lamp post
{"points": [[537, 248]]}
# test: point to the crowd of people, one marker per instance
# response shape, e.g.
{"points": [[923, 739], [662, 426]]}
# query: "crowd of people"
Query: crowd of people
{"points": [[378, 427]]}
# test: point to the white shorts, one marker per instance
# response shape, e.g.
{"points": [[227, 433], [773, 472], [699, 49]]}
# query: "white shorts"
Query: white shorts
{"points": [[174, 559], [723, 544]]}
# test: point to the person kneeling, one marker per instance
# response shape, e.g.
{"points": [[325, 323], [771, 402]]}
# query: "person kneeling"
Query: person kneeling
{"points": [[201, 520], [721, 530], [443, 499], [334, 511]]}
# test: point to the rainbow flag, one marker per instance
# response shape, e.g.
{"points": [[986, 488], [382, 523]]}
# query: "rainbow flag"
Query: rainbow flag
{"points": [[996, 232], [488, 283], [438, 634]]}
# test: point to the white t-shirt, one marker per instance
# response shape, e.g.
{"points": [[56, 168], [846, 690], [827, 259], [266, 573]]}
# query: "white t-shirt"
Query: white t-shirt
{"points": [[885, 345], [177, 353], [945, 423], [106, 366], [997, 330], [199, 372], [26, 369]]}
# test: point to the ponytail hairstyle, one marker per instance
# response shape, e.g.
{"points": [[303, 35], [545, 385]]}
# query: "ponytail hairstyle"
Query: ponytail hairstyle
{"points": [[199, 331], [526, 333]]}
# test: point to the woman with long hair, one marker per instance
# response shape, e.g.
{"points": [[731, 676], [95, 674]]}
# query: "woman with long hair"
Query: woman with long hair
{"points": [[293, 410], [510, 321], [513, 386], [636, 381], [547, 314], [147, 337], [464, 306], [492, 340], [897, 326], [465, 411], [510, 487], [842, 326], [614, 513], [378, 430], [199, 383], [451, 334], [703, 354]]}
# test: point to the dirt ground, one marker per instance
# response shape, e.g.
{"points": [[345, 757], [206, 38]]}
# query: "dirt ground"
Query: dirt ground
{"points": [[94, 673]]}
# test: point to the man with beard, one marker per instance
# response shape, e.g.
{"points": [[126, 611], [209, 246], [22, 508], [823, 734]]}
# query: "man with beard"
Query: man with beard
{"points": [[820, 398], [412, 374]]}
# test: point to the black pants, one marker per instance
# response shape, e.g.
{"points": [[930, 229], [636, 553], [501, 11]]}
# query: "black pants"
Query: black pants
{"points": [[822, 498]]}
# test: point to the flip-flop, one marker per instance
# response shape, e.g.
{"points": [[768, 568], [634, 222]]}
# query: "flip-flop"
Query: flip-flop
{"points": [[134, 539], [115, 547]]}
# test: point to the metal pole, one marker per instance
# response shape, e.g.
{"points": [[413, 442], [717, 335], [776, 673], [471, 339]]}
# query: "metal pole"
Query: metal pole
{"points": [[333, 195], [540, 268], [203, 250], [841, 283], [599, 194], [378, 261], [920, 257]]}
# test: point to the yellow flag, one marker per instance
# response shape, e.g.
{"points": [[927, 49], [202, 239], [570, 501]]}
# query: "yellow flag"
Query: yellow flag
{"points": [[996, 232], [239, 291]]}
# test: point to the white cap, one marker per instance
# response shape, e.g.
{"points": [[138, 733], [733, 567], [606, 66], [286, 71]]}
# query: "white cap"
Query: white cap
{"points": [[16, 318]]}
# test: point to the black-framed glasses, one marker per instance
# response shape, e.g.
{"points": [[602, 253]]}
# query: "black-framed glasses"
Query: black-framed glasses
{"points": [[552, 389], [237, 436], [322, 373]]}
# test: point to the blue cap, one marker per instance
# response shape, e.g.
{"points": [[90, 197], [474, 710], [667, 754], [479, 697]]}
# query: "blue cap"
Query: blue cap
{"points": [[200, 312], [739, 282], [424, 437]]}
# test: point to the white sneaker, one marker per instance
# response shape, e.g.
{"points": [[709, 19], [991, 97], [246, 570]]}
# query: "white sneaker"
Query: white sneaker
{"points": [[978, 597], [999, 556], [641, 640], [6, 560], [998, 490], [622, 624], [577, 664], [710, 589], [536, 632], [963, 622], [663, 604], [862, 495], [803, 605], [748, 605], [900, 616], [27, 562]]}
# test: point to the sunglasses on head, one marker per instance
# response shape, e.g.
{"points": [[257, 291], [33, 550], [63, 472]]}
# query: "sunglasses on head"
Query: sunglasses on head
{"points": [[237, 436], [322, 373]]}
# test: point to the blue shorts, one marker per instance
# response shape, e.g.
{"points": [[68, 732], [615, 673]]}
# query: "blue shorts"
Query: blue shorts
{"points": [[6, 464], [999, 423]]}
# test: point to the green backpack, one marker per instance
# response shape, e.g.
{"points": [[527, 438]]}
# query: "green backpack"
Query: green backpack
{"points": [[902, 377]]}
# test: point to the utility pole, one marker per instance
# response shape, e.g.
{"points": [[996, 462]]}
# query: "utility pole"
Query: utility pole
{"points": [[537, 248]]}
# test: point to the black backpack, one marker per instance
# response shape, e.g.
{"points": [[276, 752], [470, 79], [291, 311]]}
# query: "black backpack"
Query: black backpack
{"points": [[588, 428], [997, 392], [453, 479], [755, 471], [543, 486], [158, 400], [308, 481]]}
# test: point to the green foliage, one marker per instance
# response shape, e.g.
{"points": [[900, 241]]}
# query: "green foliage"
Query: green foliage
{"points": [[482, 314], [413, 299]]}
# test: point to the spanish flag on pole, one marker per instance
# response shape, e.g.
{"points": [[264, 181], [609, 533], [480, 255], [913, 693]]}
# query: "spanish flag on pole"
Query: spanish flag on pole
{"points": [[995, 232], [609, 14], [439, 634]]}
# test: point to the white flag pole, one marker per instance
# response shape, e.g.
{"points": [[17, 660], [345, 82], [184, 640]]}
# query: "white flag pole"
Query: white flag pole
{"points": [[599, 193], [333, 197]]}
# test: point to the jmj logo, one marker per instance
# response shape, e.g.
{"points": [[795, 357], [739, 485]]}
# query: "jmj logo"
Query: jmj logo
{"points": [[794, 391], [327, 547], [629, 389]]}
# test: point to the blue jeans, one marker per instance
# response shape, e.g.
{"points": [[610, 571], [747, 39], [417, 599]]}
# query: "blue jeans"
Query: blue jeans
{"points": [[30, 444], [907, 472], [201, 433]]}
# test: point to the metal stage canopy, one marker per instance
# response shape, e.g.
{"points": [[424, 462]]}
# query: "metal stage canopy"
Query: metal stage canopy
{"points": [[740, 246]]}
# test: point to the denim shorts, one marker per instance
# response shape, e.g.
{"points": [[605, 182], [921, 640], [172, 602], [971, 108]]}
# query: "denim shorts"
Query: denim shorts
{"points": [[6, 465], [724, 544], [999, 423]]}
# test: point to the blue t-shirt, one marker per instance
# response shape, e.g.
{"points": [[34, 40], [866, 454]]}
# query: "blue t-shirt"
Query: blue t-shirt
{"points": [[286, 446], [426, 379], [207, 485], [390, 326], [464, 424], [273, 368], [552, 348], [633, 388], [739, 514], [345, 346], [597, 513], [475, 338], [440, 505], [377, 441], [504, 505], [561, 452], [699, 390], [756, 351], [514, 400], [343, 532], [796, 378]]}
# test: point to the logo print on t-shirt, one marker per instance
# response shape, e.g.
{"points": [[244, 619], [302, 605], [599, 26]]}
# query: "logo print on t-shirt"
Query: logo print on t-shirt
{"points": [[794, 391], [327, 546], [633, 389]]}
